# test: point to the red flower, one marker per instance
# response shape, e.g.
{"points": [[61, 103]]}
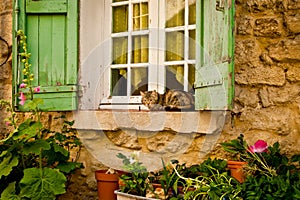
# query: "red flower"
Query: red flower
{"points": [[259, 147]]}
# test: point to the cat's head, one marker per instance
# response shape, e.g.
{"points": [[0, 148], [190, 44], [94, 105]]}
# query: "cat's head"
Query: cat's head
{"points": [[150, 98]]}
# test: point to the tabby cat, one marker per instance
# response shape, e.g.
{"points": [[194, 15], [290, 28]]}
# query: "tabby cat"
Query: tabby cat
{"points": [[171, 100]]}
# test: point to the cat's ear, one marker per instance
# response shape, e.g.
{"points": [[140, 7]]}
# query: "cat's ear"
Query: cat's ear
{"points": [[142, 93], [154, 92]]}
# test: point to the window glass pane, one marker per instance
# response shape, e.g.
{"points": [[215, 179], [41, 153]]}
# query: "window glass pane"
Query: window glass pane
{"points": [[174, 13], [139, 80], [140, 16], [140, 49], [192, 11], [191, 77], [120, 46], [174, 46], [120, 19], [174, 77], [119, 82], [192, 44]]}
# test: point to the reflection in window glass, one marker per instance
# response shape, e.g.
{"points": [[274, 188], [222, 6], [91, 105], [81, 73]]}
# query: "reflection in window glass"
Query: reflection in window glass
{"points": [[192, 11], [191, 77], [175, 46], [192, 44], [120, 50], [140, 49], [118, 82], [140, 16], [174, 13], [120, 18], [174, 77], [139, 80]]}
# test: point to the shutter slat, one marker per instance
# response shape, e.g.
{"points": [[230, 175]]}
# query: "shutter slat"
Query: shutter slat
{"points": [[57, 6]]}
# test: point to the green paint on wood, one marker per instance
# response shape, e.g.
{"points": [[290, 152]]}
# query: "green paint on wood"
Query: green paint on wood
{"points": [[51, 27], [214, 68]]}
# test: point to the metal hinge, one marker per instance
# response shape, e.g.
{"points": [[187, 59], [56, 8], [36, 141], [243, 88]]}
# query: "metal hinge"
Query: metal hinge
{"points": [[220, 5], [210, 83]]}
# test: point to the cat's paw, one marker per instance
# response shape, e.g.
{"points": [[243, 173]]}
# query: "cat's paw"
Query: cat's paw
{"points": [[157, 107]]}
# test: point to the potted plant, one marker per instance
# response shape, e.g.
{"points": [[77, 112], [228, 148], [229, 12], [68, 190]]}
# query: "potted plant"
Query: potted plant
{"points": [[35, 161], [135, 184], [269, 174], [107, 183], [209, 180]]}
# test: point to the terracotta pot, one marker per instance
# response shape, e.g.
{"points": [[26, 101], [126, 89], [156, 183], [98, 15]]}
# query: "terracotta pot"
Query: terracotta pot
{"points": [[236, 170], [107, 184]]}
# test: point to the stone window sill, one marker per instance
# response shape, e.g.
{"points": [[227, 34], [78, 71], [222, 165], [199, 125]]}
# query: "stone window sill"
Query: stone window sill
{"points": [[206, 122]]}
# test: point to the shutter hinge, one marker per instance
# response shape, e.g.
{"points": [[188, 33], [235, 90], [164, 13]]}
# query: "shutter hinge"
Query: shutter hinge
{"points": [[210, 83], [220, 5]]}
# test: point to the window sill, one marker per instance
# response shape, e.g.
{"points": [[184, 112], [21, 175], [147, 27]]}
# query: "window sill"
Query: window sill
{"points": [[206, 122]]}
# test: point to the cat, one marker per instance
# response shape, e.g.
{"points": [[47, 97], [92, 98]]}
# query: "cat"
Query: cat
{"points": [[171, 100]]}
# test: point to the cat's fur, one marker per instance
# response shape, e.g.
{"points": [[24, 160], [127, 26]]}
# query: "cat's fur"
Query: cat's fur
{"points": [[170, 100]]}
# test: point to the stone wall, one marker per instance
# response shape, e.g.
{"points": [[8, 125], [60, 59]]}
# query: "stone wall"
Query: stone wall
{"points": [[267, 86]]}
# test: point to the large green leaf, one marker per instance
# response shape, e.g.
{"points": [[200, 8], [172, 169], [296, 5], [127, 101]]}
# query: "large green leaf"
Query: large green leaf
{"points": [[7, 164], [67, 167], [35, 147], [10, 193], [60, 149], [42, 184], [28, 129]]}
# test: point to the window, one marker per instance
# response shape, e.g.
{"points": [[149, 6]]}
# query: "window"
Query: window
{"points": [[152, 48], [126, 46]]}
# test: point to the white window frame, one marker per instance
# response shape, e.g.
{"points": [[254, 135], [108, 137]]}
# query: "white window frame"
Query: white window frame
{"points": [[156, 64]]}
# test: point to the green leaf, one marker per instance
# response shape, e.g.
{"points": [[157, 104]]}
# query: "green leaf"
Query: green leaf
{"points": [[42, 184], [34, 104], [7, 164], [10, 193], [67, 167], [35, 147], [60, 149], [28, 129]]}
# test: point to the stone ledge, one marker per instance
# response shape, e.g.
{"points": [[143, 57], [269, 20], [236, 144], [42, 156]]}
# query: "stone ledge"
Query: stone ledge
{"points": [[206, 122]]}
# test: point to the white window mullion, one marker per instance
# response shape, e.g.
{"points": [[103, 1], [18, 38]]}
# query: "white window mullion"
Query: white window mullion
{"points": [[161, 46], [153, 44], [129, 53], [186, 45]]}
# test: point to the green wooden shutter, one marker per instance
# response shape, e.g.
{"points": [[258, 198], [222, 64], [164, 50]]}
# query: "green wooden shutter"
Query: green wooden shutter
{"points": [[214, 68], [51, 30]]}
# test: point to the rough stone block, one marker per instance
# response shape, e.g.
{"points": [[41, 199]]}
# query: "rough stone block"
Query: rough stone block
{"points": [[286, 50], [246, 51], [279, 95], [267, 27], [251, 75], [292, 20], [244, 26], [293, 72]]}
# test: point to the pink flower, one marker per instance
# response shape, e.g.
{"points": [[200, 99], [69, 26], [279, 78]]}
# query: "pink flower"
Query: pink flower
{"points": [[8, 123], [259, 147], [22, 98], [37, 89], [23, 85]]}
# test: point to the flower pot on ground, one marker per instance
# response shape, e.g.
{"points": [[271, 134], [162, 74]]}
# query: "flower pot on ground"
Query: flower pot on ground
{"points": [[107, 183], [126, 196], [236, 170]]}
